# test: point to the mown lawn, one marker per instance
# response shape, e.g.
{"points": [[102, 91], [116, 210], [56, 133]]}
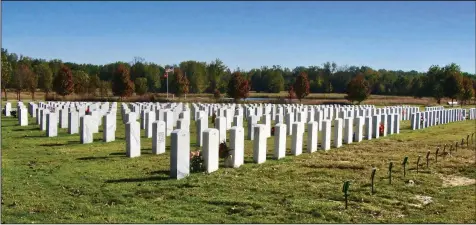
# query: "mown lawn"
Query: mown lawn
{"points": [[59, 180]]}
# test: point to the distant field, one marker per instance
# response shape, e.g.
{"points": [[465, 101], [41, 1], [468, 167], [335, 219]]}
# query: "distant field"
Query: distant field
{"points": [[313, 98]]}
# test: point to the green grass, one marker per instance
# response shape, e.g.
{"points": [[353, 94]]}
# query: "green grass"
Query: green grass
{"points": [[59, 180]]}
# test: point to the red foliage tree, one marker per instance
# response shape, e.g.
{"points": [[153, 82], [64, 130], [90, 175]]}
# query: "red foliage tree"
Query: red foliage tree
{"points": [[182, 83], [121, 82], [238, 86], [63, 83], [301, 86], [358, 89]]}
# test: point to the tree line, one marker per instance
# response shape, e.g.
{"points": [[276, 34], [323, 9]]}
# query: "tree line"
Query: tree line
{"points": [[20, 73]]}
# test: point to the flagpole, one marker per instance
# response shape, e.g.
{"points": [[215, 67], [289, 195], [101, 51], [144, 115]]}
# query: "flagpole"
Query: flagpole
{"points": [[167, 85]]}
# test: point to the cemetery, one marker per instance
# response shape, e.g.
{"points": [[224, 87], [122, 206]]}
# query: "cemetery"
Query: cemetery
{"points": [[252, 163]]}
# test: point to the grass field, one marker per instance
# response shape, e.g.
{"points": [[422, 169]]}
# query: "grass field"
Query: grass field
{"points": [[59, 180], [313, 98]]}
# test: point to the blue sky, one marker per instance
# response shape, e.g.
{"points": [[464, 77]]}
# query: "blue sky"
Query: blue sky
{"points": [[389, 35]]}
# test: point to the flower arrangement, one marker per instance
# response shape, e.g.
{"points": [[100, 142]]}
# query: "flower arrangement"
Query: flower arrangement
{"points": [[196, 162], [381, 129], [272, 131], [224, 151]]}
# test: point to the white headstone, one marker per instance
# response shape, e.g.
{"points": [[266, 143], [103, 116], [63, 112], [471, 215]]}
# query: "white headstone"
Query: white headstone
{"points": [[220, 125], [312, 136], [338, 132], [326, 135], [133, 139], [296, 147], [158, 137], [237, 138], [348, 130], [51, 125], [259, 143], [109, 128], [180, 154], [85, 130], [210, 148]]}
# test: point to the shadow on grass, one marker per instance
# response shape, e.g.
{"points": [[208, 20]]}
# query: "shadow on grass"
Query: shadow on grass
{"points": [[336, 166], [52, 144], [142, 179], [92, 158], [27, 128], [35, 136]]}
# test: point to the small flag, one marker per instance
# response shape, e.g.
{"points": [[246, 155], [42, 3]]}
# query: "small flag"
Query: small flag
{"points": [[171, 69]]}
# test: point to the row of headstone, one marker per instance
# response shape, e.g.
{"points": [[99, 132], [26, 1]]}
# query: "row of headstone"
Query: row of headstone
{"points": [[421, 120], [472, 114], [74, 117]]}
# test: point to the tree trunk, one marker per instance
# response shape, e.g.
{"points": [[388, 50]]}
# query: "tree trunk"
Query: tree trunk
{"points": [[5, 91], [33, 95]]}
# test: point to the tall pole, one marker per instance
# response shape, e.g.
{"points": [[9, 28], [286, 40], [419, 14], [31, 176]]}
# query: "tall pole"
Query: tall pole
{"points": [[167, 85]]}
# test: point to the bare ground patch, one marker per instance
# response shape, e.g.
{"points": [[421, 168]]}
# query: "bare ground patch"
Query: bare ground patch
{"points": [[452, 181]]}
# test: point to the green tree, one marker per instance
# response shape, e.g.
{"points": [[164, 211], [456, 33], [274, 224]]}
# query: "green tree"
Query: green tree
{"points": [[138, 69], [81, 82], [468, 91], [153, 74], [6, 72], [45, 77], [196, 72], [358, 89], [436, 82], [93, 84], [141, 86], [273, 80], [454, 81], [19, 80], [104, 87], [215, 71], [31, 82]]}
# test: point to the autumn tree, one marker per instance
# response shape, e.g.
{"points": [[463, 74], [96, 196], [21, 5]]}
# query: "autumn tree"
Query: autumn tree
{"points": [[358, 89], [181, 83], [121, 83], [301, 86], [238, 86], [468, 91], [45, 77], [63, 83], [141, 85], [81, 82], [6, 72]]}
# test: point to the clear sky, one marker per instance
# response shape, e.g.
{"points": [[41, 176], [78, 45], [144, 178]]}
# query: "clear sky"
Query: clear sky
{"points": [[389, 35]]}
